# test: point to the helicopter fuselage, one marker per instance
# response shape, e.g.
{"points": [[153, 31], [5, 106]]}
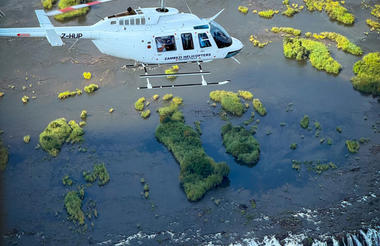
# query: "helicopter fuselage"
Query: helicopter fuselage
{"points": [[146, 35]]}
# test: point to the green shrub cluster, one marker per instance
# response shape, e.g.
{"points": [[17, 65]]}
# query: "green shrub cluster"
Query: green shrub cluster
{"points": [[288, 30], [259, 107], [334, 10], [83, 115], [199, 173], [145, 114], [246, 95], [268, 13], [341, 42], [67, 181], [230, 101], [167, 97], [367, 71], [170, 113], [3, 156], [305, 122], [67, 94], [316, 166], [91, 88], [71, 14], [241, 144], [177, 100], [373, 24], [47, 4], [291, 9], [140, 104], [352, 146], [257, 43], [99, 172], [57, 133], [73, 205], [316, 52]]}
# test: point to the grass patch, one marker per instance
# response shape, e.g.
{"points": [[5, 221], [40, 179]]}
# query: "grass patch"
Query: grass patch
{"points": [[257, 43], [246, 95], [334, 10], [66, 181], [73, 205], [373, 24], [47, 4], [291, 10], [229, 100], [288, 30], [293, 146], [199, 173], [268, 13], [91, 88], [318, 54], [145, 114], [367, 71], [72, 14], [83, 115], [243, 9], [177, 100], [140, 104], [57, 133], [67, 94], [259, 107], [241, 144], [3, 156], [341, 42], [99, 173], [305, 122], [167, 97], [353, 146]]}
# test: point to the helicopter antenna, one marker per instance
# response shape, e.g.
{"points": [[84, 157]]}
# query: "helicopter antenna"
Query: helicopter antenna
{"points": [[188, 7]]}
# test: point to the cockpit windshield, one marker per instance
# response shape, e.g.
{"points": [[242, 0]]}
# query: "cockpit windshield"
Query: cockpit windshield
{"points": [[220, 35]]}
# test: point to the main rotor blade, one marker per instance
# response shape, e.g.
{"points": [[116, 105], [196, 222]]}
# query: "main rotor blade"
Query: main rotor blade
{"points": [[71, 8]]}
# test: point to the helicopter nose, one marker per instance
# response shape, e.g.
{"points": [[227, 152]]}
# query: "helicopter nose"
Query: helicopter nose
{"points": [[236, 47]]}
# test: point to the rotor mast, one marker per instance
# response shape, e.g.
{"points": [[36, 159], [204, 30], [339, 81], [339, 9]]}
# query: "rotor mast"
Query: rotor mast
{"points": [[162, 7]]}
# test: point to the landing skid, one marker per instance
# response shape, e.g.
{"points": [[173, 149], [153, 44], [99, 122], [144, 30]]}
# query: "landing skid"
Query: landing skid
{"points": [[201, 73]]}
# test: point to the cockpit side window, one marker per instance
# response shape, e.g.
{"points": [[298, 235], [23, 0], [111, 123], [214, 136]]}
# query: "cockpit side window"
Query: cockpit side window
{"points": [[203, 40], [187, 41], [165, 43], [220, 35]]}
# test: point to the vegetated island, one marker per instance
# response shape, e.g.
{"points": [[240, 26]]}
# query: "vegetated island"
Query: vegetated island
{"points": [[367, 71], [99, 172], [230, 101], [199, 173], [57, 133], [240, 143], [334, 10], [317, 52]]}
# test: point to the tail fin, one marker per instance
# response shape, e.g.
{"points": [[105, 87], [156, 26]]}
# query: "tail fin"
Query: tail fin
{"points": [[45, 23]]}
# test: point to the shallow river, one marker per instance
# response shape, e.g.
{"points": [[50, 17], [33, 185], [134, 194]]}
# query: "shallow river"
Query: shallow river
{"points": [[334, 203]]}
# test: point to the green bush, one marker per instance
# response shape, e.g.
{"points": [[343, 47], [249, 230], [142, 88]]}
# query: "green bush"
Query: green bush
{"points": [[334, 10], [83, 115], [145, 114], [140, 104], [54, 136], [373, 24], [267, 13], [73, 205], [341, 42], [67, 181], [230, 101], [316, 52], [241, 144], [99, 172], [352, 146], [76, 135], [288, 30], [246, 95], [367, 71], [305, 122], [259, 107], [198, 172], [91, 88]]}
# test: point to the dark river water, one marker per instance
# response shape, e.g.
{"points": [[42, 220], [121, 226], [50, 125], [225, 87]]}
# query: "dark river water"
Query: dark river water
{"points": [[333, 203]]}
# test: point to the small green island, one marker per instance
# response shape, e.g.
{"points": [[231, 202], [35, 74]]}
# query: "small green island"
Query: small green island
{"points": [[99, 173], [367, 71], [240, 143], [230, 101], [199, 173], [57, 133]]}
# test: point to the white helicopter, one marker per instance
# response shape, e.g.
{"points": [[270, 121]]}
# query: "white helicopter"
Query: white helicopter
{"points": [[150, 36]]}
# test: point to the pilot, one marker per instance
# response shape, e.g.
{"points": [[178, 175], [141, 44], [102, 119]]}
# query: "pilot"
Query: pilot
{"points": [[160, 45]]}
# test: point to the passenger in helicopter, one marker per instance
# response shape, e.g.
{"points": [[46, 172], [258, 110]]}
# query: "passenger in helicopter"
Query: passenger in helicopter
{"points": [[131, 11]]}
